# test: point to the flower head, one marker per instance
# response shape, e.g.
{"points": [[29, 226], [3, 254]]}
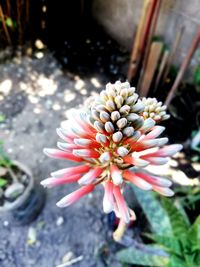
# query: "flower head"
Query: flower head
{"points": [[114, 140]]}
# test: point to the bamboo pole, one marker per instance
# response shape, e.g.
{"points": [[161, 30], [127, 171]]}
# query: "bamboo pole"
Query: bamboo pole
{"points": [[5, 26], [184, 65], [161, 69], [152, 63], [137, 42], [149, 40], [173, 52]]}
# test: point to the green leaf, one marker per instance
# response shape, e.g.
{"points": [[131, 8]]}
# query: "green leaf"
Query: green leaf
{"points": [[197, 75], [170, 243], [9, 22], [176, 262], [2, 118], [154, 212], [136, 256], [3, 182], [179, 224], [194, 232]]}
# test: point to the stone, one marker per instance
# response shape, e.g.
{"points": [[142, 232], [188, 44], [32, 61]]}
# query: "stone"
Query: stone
{"points": [[59, 221], [14, 190]]}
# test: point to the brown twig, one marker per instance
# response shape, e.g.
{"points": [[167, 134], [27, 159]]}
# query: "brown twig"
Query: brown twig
{"points": [[152, 63], [173, 52], [5, 26], [149, 39], [161, 69], [137, 42], [184, 65]]}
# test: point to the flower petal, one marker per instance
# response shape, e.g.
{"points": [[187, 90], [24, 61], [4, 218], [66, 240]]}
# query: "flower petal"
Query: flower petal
{"points": [[90, 176], [70, 171], [108, 199], [121, 204], [52, 181], [165, 191], [58, 154], [116, 175], [136, 180], [74, 196], [88, 153], [154, 180]]}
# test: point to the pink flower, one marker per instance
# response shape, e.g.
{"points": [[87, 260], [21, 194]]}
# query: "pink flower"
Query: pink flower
{"points": [[114, 142]]}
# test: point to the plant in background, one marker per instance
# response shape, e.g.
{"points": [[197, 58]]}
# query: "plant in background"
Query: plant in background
{"points": [[176, 241], [18, 192], [115, 139]]}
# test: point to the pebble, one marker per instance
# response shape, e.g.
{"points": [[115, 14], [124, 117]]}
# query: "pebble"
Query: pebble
{"points": [[13, 191], [59, 221]]}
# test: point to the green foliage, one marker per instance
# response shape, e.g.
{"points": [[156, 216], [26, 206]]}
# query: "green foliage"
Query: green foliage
{"points": [[5, 161], [189, 197], [2, 118], [3, 182], [154, 212], [197, 76], [179, 239]]}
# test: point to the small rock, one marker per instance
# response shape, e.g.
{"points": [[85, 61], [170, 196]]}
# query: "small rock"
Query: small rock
{"points": [[14, 190], [32, 236], [6, 223], [3, 171], [59, 221], [67, 257]]}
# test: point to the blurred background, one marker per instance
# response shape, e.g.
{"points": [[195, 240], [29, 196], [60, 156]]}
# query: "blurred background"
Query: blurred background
{"points": [[53, 56]]}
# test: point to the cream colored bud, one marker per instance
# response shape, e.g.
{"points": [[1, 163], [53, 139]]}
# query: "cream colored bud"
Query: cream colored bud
{"points": [[119, 101], [99, 126], [104, 116], [166, 117], [121, 123], [124, 93], [115, 115], [132, 117], [131, 91], [104, 95], [95, 115], [124, 109], [122, 151], [110, 105], [128, 131], [130, 100], [138, 107], [109, 127], [100, 108], [117, 137], [105, 157], [101, 138]]}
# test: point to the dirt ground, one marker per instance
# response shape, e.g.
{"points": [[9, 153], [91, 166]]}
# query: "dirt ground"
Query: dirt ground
{"points": [[34, 97]]}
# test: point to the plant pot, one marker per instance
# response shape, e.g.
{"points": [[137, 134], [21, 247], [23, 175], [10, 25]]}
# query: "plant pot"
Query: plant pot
{"points": [[27, 206]]}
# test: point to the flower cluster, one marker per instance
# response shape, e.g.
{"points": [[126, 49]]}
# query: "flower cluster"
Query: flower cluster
{"points": [[115, 139]]}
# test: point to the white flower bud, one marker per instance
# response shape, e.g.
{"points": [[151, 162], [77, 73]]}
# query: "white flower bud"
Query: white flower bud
{"points": [[117, 137], [128, 131], [119, 101], [109, 127], [121, 123], [115, 115], [110, 105], [124, 109], [99, 126], [122, 151], [104, 116]]}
